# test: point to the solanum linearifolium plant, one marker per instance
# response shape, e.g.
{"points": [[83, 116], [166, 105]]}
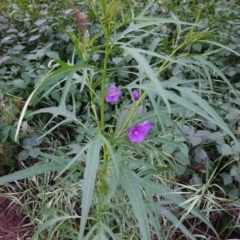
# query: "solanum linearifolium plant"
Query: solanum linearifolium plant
{"points": [[123, 152]]}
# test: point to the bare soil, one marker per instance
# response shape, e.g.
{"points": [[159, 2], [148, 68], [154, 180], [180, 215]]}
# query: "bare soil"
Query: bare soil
{"points": [[13, 222]]}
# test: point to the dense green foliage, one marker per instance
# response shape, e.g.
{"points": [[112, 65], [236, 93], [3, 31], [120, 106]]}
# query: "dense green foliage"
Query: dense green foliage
{"points": [[72, 148]]}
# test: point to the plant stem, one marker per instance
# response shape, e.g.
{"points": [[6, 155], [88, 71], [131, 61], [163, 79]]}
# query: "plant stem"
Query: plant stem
{"points": [[104, 171], [185, 42], [104, 75], [166, 61]]}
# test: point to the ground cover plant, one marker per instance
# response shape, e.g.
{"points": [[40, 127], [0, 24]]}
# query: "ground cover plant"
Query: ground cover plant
{"points": [[130, 125]]}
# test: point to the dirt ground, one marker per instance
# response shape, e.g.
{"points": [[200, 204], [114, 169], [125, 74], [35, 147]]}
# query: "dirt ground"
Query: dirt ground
{"points": [[13, 223]]}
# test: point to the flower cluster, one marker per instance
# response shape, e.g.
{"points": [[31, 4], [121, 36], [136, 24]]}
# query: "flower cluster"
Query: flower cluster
{"points": [[113, 94], [138, 132]]}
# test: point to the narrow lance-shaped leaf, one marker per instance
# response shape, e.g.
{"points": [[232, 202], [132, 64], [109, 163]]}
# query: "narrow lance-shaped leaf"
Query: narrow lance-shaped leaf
{"points": [[211, 112], [131, 184], [176, 198], [65, 68], [31, 171], [92, 163], [171, 217], [149, 72]]}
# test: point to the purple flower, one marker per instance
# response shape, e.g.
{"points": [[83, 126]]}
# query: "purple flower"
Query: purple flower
{"points": [[113, 94], [138, 133], [146, 126], [136, 94]]}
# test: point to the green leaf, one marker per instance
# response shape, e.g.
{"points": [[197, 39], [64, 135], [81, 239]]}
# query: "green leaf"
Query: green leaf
{"points": [[203, 108], [23, 155], [92, 162], [40, 22], [175, 197], [131, 184], [171, 217], [52, 54], [33, 38], [227, 179], [34, 152], [181, 158], [4, 59], [226, 150], [135, 53], [18, 83], [51, 223], [31, 171], [65, 69], [75, 159], [36, 139], [197, 47]]}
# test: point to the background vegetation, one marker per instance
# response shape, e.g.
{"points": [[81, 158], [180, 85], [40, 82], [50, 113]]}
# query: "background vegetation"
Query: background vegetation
{"points": [[66, 151]]}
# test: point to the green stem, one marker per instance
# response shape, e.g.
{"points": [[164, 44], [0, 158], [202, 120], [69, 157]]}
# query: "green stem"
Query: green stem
{"points": [[166, 61], [102, 123], [93, 106], [104, 171], [104, 75], [185, 42]]}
